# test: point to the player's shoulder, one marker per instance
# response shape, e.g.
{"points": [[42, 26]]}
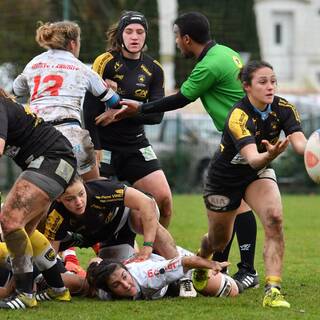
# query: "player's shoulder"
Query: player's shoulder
{"points": [[58, 210], [104, 185], [239, 112], [150, 61], [101, 61], [220, 55], [281, 102]]}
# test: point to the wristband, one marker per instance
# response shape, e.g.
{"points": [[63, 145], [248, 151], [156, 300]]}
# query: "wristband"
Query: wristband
{"points": [[148, 244], [111, 100]]}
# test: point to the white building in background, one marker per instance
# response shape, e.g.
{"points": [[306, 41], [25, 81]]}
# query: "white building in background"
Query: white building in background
{"points": [[289, 36], [167, 10]]}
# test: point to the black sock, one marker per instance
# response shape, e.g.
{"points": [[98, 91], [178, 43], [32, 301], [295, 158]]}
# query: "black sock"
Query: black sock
{"points": [[224, 255], [24, 282], [53, 277], [246, 230]]}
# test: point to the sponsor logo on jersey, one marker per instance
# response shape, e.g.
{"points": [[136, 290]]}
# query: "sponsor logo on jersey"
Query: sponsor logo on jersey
{"points": [[118, 76], [141, 93], [100, 63], [173, 265], [117, 195], [237, 124], [237, 61], [146, 70], [117, 66], [54, 220]]}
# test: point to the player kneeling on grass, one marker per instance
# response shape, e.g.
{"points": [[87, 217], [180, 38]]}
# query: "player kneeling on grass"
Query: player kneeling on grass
{"points": [[154, 278], [113, 213]]}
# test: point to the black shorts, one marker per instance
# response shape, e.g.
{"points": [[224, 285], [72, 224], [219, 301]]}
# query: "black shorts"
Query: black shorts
{"points": [[54, 169], [221, 196], [129, 166]]}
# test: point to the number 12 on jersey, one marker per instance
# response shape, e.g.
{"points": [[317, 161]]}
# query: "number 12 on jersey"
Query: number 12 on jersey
{"points": [[52, 83]]}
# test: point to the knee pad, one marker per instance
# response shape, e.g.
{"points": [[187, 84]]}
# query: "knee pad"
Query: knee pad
{"points": [[44, 256]]}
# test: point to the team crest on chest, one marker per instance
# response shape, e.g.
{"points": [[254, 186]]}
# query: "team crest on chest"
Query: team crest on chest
{"points": [[141, 80], [117, 66]]}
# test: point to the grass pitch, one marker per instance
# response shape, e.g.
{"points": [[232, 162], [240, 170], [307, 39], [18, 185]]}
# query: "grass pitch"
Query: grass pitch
{"points": [[301, 277]]}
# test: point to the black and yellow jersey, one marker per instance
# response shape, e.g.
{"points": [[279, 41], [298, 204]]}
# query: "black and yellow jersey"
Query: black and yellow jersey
{"points": [[104, 211], [26, 136], [244, 126], [141, 80]]}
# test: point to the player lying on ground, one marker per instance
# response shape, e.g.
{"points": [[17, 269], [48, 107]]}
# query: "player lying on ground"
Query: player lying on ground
{"points": [[153, 278], [109, 212], [99, 210]]}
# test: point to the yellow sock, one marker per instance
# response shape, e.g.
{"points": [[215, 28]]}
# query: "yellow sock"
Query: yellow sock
{"points": [[4, 254], [273, 281]]}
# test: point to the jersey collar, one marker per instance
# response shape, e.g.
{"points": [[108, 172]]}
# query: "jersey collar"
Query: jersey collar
{"points": [[208, 46], [263, 114]]}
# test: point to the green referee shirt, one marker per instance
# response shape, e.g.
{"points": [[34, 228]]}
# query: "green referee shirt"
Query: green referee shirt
{"points": [[214, 80]]}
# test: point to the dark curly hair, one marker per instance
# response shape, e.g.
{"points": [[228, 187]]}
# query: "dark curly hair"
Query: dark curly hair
{"points": [[98, 274]]}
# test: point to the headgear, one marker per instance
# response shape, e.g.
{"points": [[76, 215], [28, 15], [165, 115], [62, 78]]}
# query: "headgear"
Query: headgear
{"points": [[127, 18]]}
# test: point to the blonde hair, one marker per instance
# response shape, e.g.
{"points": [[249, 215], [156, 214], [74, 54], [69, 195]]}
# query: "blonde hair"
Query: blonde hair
{"points": [[57, 35]]}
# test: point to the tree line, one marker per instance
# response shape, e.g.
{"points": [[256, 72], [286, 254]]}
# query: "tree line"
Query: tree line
{"points": [[233, 23]]}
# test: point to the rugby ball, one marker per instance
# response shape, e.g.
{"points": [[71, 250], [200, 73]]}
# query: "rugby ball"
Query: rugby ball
{"points": [[312, 156]]}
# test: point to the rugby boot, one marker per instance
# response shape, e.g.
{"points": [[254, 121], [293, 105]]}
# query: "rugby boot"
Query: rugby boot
{"points": [[275, 299]]}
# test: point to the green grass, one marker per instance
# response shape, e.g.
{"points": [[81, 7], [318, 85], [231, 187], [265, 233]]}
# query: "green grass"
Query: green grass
{"points": [[301, 277]]}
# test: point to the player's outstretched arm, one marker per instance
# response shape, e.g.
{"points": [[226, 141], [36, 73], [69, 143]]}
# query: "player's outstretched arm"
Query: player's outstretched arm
{"points": [[192, 262]]}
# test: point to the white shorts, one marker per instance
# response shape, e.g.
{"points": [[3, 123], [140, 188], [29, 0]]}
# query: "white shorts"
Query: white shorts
{"points": [[82, 145]]}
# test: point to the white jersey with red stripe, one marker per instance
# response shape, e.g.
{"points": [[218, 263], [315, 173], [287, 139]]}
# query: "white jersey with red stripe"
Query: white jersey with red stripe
{"points": [[56, 82], [155, 274], [153, 277]]}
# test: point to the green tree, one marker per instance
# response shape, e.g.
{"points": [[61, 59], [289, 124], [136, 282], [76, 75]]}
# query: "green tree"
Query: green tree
{"points": [[19, 22]]}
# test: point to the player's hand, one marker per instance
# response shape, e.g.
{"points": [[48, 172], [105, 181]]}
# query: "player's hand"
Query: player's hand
{"points": [[106, 117], [275, 149], [74, 239], [143, 254], [130, 109], [111, 84], [218, 266]]}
